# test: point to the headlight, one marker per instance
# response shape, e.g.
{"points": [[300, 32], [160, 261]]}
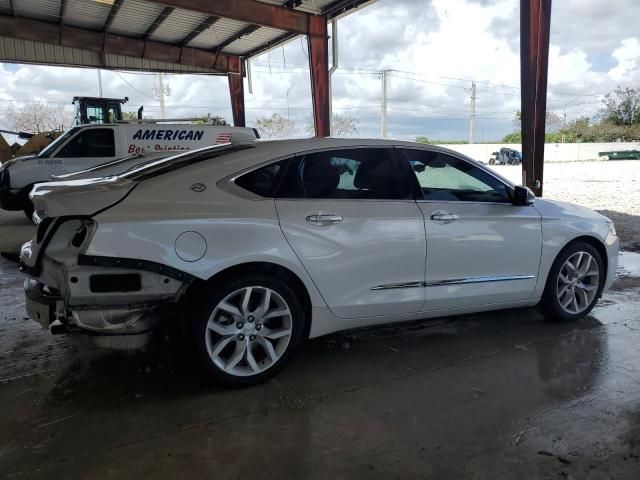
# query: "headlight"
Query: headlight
{"points": [[612, 227]]}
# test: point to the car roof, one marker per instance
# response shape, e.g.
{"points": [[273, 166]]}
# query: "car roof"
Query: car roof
{"points": [[316, 143]]}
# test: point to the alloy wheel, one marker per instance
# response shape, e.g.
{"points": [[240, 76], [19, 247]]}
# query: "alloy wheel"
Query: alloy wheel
{"points": [[578, 282], [249, 331]]}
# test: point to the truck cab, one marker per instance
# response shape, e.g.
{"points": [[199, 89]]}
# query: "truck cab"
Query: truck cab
{"points": [[95, 110]]}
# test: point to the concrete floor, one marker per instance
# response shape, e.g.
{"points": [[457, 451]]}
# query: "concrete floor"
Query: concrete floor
{"points": [[497, 395]]}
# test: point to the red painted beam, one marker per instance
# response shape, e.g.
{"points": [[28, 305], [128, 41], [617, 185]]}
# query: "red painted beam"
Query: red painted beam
{"points": [[67, 36], [236, 90], [249, 11], [535, 24], [319, 69]]}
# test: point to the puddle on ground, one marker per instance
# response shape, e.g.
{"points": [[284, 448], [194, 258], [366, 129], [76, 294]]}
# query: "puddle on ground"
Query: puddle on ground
{"points": [[629, 264]]}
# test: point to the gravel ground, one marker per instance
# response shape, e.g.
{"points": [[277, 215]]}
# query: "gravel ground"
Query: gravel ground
{"points": [[612, 188]]}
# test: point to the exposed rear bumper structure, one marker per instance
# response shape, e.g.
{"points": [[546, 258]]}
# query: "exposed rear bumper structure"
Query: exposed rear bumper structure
{"points": [[122, 327], [117, 301]]}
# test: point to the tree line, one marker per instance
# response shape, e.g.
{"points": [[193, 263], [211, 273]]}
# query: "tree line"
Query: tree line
{"points": [[277, 126], [617, 120]]}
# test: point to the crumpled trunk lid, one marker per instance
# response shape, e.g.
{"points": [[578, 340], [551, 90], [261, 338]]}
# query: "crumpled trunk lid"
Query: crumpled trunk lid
{"points": [[79, 197]]}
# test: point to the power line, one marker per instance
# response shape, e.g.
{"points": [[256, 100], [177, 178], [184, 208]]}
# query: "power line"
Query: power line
{"points": [[139, 91]]}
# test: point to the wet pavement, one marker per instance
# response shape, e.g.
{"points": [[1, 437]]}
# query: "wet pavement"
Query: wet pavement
{"points": [[496, 395]]}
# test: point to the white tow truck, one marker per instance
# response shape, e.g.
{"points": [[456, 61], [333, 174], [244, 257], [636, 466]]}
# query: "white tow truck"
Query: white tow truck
{"points": [[118, 145]]}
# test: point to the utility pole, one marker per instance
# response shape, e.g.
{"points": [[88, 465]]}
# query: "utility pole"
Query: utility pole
{"points": [[383, 121], [565, 116], [288, 92], [161, 91], [99, 83], [472, 116]]}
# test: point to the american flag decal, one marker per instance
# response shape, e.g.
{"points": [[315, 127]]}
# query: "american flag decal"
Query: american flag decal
{"points": [[223, 138]]}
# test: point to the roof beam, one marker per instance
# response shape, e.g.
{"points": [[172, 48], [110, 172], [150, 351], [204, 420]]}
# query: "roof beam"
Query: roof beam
{"points": [[237, 36], [63, 6], [199, 29], [158, 21], [249, 11], [115, 8], [272, 44], [109, 43]]}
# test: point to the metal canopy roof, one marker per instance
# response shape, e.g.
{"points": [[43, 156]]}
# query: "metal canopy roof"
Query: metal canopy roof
{"points": [[201, 36]]}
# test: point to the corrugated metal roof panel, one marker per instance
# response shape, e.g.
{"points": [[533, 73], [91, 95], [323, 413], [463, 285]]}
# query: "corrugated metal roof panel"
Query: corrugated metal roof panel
{"points": [[91, 14], [135, 17], [36, 52], [12, 49], [309, 6], [217, 33], [254, 40], [47, 10], [316, 6], [122, 62], [178, 25]]}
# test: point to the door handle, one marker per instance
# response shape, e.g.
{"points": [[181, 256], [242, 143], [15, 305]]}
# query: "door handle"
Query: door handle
{"points": [[323, 219], [445, 217]]}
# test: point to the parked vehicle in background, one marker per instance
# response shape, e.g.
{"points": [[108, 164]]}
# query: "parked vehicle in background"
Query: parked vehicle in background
{"points": [[259, 246], [620, 155], [88, 146], [506, 156]]}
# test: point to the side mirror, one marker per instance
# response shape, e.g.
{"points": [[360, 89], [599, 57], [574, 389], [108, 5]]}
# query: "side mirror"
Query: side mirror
{"points": [[523, 196]]}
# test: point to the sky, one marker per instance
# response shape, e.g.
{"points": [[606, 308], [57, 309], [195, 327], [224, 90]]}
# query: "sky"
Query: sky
{"points": [[435, 49]]}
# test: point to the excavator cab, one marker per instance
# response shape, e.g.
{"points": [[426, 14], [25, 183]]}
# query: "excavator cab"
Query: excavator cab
{"points": [[91, 110]]}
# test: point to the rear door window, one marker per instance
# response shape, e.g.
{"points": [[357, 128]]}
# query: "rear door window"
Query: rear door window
{"points": [[93, 142], [356, 174]]}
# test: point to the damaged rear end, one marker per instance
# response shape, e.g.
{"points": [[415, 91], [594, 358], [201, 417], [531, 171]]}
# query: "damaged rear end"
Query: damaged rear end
{"points": [[116, 300]]}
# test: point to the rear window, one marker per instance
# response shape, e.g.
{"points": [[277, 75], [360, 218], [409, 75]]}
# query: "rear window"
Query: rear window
{"points": [[263, 181]]}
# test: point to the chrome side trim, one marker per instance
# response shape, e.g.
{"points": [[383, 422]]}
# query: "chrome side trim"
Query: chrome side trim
{"points": [[391, 286], [463, 281]]}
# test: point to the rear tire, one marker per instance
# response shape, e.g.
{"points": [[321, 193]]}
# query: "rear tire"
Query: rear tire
{"points": [[574, 284], [246, 330]]}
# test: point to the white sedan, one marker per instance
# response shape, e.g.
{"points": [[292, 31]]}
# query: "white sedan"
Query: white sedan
{"points": [[260, 245]]}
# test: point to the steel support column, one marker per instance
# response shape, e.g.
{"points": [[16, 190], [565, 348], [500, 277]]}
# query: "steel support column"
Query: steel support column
{"points": [[535, 23], [319, 69], [236, 90]]}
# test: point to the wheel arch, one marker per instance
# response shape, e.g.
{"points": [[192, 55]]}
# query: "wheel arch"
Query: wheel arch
{"points": [[591, 240], [594, 242], [283, 273]]}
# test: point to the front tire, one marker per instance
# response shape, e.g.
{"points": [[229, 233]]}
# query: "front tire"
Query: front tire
{"points": [[247, 331], [575, 282]]}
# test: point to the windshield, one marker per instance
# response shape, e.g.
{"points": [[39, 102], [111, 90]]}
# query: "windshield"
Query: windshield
{"points": [[49, 149]]}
